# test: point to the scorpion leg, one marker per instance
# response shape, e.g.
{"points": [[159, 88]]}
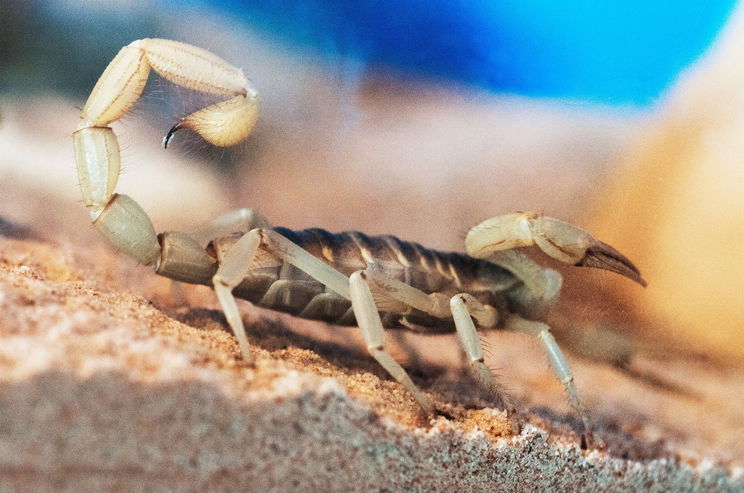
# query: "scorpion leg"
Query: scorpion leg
{"points": [[239, 220], [540, 287], [369, 321], [323, 304], [470, 341], [561, 240], [435, 304], [232, 270], [186, 248], [460, 307], [283, 293], [560, 367], [235, 266]]}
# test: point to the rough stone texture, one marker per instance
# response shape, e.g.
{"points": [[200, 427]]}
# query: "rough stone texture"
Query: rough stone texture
{"points": [[112, 380]]}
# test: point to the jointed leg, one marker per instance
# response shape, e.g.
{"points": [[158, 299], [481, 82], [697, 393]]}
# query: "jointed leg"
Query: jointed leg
{"points": [[239, 220], [321, 304], [435, 304], [183, 257], [230, 273], [293, 254], [235, 266], [540, 287], [461, 307], [369, 321], [560, 367], [470, 341]]}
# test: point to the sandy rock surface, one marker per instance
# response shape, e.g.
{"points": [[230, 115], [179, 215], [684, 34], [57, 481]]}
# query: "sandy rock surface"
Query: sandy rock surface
{"points": [[111, 378]]}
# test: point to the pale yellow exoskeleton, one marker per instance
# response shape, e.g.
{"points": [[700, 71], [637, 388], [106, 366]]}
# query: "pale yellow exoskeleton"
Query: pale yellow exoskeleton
{"points": [[118, 217], [345, 278]]}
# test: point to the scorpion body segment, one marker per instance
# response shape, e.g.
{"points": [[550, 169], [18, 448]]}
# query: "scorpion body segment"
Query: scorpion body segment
{"points": [[275, 284], [345, 278]]}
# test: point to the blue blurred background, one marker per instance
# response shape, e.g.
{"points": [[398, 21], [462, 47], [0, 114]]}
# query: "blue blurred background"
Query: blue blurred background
{"points": [[613, 53]]}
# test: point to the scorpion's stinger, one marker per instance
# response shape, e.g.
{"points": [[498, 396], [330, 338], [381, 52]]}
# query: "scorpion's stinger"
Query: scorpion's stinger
{"points": [[222, 124], [561, 240], [168, 136]]}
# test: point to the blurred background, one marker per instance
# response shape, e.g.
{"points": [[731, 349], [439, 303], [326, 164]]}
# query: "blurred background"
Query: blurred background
{"points": [[420, 119]]}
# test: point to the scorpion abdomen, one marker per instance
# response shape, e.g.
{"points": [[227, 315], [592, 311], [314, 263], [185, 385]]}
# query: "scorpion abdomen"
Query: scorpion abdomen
{"points": [[281, 286]]}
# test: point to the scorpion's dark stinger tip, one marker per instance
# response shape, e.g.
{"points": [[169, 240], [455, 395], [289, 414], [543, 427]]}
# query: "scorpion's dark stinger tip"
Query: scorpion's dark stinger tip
{"points": [[170, 133], [603, 256]]}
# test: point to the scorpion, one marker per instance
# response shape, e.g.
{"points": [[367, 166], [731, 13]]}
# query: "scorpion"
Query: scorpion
{"points": [[347, 278]]}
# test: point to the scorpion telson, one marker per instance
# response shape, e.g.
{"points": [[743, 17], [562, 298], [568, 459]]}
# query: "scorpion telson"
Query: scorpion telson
{"points": [[346, 278]]}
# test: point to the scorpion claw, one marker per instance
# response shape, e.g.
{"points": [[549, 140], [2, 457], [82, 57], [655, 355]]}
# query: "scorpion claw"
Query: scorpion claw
{"points": [[561, 240], [571, 244], [602, 256]]}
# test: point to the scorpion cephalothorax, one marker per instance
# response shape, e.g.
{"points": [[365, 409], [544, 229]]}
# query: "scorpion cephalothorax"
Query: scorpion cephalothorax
{"points": [[345, 278]]}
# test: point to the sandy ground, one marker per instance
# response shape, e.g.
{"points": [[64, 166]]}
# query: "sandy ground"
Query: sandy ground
{"points": [[114, 379]]}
